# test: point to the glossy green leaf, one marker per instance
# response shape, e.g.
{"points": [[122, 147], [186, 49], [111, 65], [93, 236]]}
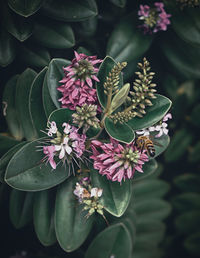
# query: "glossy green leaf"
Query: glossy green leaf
{"points": [[54, 34], [4, 160], [120, 97], [188, 182], [160, 145], [120, 132], [35, 56], [19, 27], [148, 169], [186, 201], [25, 7], [26, 170], [9, 108], [178, 146], [152, 208], [48, 104], [7, 48], [126, 42], [71, 11], [188, 222], [191, 243], [6, 143], [54, 75], [60, 116], [119, 3], [43, 217], [154, 114], [37, 112], [116, 196], [104, 70], [189, 27], [20, 208], [23, 88], [72, 227], [114, 241], [150, 188]]}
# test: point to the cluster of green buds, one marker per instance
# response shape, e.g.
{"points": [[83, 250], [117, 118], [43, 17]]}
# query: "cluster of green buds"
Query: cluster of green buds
{"points": [[141, 97], [85, 117], [189, 3]]}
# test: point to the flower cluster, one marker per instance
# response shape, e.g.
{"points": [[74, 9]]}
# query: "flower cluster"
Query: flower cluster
{"points": [[154, 18], [77, 85], [161, 127], [116, 161], [89, 196], [66, 146]]}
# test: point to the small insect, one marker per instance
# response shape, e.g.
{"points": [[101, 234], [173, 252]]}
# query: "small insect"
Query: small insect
{"points": [[145, 143], [86, 194]]}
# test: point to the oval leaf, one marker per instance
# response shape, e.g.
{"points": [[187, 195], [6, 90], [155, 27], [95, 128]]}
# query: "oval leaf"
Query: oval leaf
{"points": [[114, 241], [27, 172], [148, 169], [72, 227], [25, 7], [7, 48]]}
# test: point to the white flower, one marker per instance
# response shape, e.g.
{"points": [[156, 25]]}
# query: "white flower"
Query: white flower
{"points": [[53, 128], [67, 128], [63, 148], [144, 132], [78, 190], [162, 130], [96, 192]]}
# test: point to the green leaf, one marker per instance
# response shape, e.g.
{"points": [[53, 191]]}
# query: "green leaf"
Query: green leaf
{"points": [[48, 104], [21, 208], [7, 48], [7, 157], [119, 132], [151, 188], [116, 196], [6, 143], [188, 28], [126, 42], [54, 75], [35, 56], [160, 145], [114, 241], [178, 146], [194, 153], [72, 11], [154, 114], [60, 116], [19, 27], [119, 3], [104, 70], [191, 243], [37, 113], [188, 222], [43, 217], [148, 169], [10, 112], [195, 115], [120, 97], [25, 7], [26, 170], [186, 201], [188, 182], [53, 34], [72, 227], [22, 102]]}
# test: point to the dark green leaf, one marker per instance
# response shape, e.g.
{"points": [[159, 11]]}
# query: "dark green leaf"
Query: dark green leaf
{"points": [[194, 153], [43, 217], [54, 34], [48, 104], [37, 112], [119, 3], [192, 244], [186, 201], [25, 7], [7, 48], [54, 75], [116, 196], [114, 241], [23, 88], [21, 208], [154, 114], [10, 108], [188, 182], [26, 170], [120, 132], [148, 169], [104, 69], [72, 11], [126, 42], [35, 56], [72, 227], [188, 222], [160, 144], [87, 28], [195, 115]]}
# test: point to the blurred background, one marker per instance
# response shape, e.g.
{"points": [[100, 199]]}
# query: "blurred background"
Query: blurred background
{"points": [[32, 34]]}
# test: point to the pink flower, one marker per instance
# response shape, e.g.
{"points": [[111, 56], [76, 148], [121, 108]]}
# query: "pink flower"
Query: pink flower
{"points": [[50, 153], [77, 84], [116, 161]]}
